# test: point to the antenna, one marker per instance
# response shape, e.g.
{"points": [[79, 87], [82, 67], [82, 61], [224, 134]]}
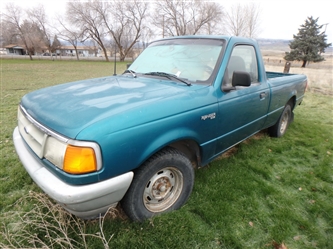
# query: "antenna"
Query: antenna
{"points": [[115, 60]]}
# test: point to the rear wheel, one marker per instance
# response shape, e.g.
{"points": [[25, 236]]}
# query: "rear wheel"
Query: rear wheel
{"points": [[162, 184], [281, 126]]}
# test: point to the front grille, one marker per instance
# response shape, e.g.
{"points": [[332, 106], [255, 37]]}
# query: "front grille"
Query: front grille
{"points": [[42, 141], [33, 136]]}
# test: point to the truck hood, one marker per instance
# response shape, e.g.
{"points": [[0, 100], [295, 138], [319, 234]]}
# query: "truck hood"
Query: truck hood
{"points": [[69, 108]]}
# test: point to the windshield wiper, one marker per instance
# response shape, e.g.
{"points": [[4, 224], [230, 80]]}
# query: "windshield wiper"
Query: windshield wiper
{"points": [[169, 76], [131, 72]]}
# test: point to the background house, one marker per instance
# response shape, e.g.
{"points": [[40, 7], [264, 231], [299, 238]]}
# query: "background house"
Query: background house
{"points": [[85, 51], [14, 49]]}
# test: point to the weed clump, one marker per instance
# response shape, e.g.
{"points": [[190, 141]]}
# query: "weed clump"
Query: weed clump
{"points": [[48, 225]]}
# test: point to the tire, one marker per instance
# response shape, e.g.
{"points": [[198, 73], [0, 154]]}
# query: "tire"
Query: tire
{"points": [[281, 126], [161, 184]]}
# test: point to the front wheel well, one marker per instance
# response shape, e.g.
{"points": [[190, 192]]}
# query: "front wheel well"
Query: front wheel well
{"points": [[191, 150]]}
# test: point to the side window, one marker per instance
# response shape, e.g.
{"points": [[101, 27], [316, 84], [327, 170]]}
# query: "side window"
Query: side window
{"points": [[243, 58]]}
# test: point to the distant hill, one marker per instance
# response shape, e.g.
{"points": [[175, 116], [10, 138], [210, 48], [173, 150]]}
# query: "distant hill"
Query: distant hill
{"points": [[277, 45], [283, 45], [274, 44]]}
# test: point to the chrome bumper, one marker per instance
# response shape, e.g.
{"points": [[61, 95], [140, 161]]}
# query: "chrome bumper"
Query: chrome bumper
{"points": [[85, 201]]}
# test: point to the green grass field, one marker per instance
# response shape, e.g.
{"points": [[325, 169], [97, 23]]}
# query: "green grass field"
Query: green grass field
{"points": [[263, 193]]}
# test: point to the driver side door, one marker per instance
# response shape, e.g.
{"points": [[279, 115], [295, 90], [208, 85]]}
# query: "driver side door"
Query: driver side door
{"points": [[242, 111]]}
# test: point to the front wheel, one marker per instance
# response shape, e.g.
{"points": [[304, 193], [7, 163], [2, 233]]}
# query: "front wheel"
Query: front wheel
{"points": [[280, 128], [162, 184]]}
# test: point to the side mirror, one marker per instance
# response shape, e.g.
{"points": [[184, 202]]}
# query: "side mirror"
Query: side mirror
{"points": [[240, 78]]}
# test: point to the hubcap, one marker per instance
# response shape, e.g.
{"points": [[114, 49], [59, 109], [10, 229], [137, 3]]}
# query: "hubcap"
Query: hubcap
{"points": [[284, 123], [163, 189]]}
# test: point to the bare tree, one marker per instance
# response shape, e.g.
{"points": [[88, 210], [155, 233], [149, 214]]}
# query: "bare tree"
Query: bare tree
{"points": [[124, 22], [236, 20], [13, 17], [72, 35], [214, 27], [206, 17], [84, 17], [33, 36], [182, 17], [243, 20], [253, 20], [7, 35], [38, 16]]}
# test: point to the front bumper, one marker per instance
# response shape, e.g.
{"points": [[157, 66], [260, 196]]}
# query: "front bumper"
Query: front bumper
{"points": [[85, 201]]}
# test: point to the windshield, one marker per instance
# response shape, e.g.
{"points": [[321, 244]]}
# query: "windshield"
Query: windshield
{"points": [[192, 59]]}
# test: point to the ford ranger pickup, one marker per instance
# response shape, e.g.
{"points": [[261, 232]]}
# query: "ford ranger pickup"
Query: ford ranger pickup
{"points": [[137, 138]]}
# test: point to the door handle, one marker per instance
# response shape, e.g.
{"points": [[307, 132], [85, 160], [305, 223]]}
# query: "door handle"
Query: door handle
{"points": [[263, 95]]}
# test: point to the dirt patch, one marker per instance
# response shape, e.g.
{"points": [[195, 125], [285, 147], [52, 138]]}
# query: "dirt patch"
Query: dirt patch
{"points": [[229, 153]]}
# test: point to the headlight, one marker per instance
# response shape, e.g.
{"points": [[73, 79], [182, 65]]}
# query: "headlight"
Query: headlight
{"points": [[54, 151], [72, 156]]}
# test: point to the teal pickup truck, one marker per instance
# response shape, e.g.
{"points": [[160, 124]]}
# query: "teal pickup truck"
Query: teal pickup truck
{"points": [[137, 138]]}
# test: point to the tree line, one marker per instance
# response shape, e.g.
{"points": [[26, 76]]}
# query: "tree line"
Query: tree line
{"points": [[118, 25]]}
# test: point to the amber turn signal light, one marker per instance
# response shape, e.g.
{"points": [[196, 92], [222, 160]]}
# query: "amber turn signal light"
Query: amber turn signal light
{"points": [[79, 160]]}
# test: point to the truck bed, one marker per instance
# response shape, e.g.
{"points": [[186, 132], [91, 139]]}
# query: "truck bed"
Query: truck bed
{"points": [[271, 75]]}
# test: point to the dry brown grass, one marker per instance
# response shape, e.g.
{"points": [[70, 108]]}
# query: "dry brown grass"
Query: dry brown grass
{"points": [[48, 225], [320, 75]]}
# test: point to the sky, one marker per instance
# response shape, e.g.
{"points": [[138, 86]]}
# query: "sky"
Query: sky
{"points": [[280, 19]]}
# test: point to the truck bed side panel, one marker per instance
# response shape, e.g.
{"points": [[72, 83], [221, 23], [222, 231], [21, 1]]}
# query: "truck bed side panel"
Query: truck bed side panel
{"points": [[284, 88]]}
